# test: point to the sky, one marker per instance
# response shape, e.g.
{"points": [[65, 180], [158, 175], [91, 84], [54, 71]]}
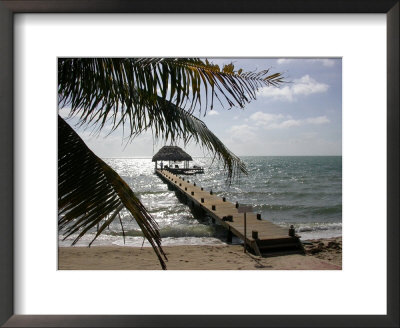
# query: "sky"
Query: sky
{"points": [[302, 117]]}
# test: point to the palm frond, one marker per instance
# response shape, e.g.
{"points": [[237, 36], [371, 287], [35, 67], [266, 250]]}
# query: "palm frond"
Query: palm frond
{"points": [[127, 92], [99, 87], [90, 192]]}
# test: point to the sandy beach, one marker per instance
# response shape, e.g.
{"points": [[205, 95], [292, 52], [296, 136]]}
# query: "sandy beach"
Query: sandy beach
{"points": [[321, 254]]}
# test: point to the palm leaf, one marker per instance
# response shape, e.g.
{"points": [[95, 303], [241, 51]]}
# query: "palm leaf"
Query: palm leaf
{"points": [[99, 88], [95, 84], [90, 191], [128, 93]]}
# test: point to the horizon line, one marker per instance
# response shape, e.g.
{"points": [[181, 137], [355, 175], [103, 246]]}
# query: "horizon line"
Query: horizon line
{"points": [[144, 157]]}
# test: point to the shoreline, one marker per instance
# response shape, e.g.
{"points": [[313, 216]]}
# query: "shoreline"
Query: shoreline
{"points": [[321, 254]]}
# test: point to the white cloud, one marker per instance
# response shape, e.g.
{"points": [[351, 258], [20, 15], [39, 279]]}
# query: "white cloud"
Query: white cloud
{"points": [[307, 85], [264, 119], [212, 113], [284, 124], [328, 62], [324, 61], [281, 61], [284, 93], [278, 121], [242, 133], [317, 120], [304, 86]]}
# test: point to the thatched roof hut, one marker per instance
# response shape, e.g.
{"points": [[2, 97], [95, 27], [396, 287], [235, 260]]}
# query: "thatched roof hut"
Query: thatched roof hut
{"points": [[171, 153], [175, 154]]}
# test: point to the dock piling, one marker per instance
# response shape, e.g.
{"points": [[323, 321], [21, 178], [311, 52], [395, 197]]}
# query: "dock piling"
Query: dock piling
{"points": [[229, 237], [254, 234], [245, 227]]}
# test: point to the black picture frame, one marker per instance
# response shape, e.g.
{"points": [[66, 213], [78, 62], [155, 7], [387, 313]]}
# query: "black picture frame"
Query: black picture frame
{"points": [[10, 7]]}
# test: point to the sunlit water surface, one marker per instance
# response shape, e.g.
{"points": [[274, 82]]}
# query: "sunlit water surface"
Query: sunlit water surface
{"points": [[303, 191]]}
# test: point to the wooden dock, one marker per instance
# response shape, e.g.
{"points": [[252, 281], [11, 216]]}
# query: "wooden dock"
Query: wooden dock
{"points": [[185, 171], [270, 236]]}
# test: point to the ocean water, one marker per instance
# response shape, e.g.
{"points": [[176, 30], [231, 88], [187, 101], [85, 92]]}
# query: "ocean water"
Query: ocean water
{"points": [[303, 191]]}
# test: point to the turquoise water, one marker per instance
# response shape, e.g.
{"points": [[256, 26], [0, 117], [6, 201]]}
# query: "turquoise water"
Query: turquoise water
{"points": [[303, 191]]}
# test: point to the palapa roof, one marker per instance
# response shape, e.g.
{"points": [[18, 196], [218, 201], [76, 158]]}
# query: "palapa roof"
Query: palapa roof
{"points": [[171, 153]]}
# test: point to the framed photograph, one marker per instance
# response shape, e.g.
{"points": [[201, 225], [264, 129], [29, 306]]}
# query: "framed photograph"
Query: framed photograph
{"points": [[282, 155], [341, 63]]}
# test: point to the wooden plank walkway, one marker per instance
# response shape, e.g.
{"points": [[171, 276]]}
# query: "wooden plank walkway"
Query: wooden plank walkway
{"points": [[270, 236]]}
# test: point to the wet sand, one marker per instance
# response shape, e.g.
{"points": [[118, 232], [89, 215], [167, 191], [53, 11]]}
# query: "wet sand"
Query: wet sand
{"points": [[322, 254]]}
